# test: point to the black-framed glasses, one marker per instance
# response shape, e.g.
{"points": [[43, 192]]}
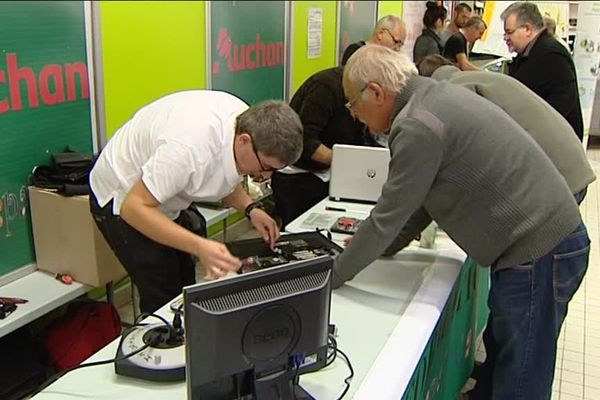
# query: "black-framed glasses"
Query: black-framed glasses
{"points": [[262, 167], [397, 42], [351, 103]]}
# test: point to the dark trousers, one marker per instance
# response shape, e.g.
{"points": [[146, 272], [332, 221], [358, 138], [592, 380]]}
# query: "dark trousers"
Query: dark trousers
{"points": [[528, 304], [158, 271], [296, 193]]}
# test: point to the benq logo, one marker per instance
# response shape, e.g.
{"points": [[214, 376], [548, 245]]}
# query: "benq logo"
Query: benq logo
{"points": [[270, 336], [371, 173]]}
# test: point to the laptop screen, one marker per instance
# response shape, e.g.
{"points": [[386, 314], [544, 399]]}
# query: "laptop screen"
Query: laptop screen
{"points": [[358, 172]]}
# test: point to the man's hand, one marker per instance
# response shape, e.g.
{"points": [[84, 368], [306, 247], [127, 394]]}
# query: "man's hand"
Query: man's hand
{"points": [[265, 225], [216, 259]]}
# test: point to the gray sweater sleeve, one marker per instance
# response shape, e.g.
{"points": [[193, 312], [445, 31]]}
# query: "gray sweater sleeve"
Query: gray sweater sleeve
{"points": [[416, 157], [415, 225]]}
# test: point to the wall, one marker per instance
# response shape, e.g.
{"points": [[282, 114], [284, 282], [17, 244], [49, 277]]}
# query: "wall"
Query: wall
{"points": [[387, 7], [150, 49], [303, 67]]}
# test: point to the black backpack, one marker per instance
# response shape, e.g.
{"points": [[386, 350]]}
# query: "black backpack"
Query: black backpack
{"points": [[69, 174]]}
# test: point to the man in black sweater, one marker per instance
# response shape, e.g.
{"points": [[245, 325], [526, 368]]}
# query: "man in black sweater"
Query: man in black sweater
{"points": [[542, 63], [456, 48], [320, 103]]}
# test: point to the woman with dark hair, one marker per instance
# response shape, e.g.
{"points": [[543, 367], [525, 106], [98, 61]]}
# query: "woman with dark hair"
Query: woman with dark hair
{"points": [[430, 41]]}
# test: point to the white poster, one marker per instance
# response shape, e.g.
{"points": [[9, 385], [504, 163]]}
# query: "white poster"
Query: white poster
{"points": [[315, 32], [586, 55], [492, 41], [412, 15]]}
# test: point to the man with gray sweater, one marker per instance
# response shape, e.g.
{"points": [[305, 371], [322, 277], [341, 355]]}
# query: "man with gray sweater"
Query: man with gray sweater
{"points": [[545, 125], [486, 182]]}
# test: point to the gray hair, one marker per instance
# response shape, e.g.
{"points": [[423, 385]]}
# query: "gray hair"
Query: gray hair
{"points": [[526, 12], [374, 63], [276, 130], [431, 63], [388, 22], [476, 22], [550, 25]]}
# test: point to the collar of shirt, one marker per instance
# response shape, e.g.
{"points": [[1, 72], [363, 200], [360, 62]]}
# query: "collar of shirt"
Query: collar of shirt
{"points": [[532, 43], [232, 175]]}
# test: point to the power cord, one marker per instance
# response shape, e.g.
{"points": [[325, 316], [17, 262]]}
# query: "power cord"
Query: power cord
{"points": [[60, 374], [349, 377], [332, 352]]}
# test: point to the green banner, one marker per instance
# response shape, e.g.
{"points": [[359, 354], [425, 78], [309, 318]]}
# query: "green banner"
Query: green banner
{"points": [[357, 20], [44, 106], [248, 48]]}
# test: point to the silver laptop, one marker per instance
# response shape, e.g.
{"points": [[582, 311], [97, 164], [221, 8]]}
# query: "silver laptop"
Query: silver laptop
{"points": [[358, 172]]}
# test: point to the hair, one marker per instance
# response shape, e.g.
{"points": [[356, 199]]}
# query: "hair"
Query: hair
{"points": [[374, 63], [460, 7], [433, 13], [526, 12], [476, 22], [388, 22], [276, 130], [431, 63], [550, 25]]}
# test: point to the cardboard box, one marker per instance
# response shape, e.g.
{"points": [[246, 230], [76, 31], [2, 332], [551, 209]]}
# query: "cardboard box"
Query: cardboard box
{"points": [[67, 240]]}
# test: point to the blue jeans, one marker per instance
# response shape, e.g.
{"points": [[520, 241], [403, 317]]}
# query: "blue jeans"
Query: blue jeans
{"points": [[528, 304]]}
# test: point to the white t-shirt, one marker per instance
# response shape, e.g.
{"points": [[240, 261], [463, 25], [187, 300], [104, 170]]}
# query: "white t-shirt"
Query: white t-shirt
{"points": [[181, 146]]}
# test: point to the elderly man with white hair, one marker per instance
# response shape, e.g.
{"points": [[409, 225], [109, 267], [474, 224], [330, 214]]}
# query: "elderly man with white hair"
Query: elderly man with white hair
{"points": [[494, 192]]}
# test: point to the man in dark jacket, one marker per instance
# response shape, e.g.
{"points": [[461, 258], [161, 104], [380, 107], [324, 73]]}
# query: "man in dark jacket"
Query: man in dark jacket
{"points": [[542, 63], [320, 102]]}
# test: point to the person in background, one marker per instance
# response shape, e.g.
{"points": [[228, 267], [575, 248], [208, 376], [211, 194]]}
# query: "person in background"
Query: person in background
{"points": [[188, 146], [492, 189], [389, 31], [542, 64], [429, 42], [321, 105], [550, 25], [456, 48], [460, 16], [431, 63]]}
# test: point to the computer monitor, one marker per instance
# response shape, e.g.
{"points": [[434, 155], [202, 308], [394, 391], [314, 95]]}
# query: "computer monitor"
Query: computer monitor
{"points": [[251, 335]]}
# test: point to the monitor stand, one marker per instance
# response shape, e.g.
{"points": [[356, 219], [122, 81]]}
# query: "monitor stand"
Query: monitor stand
{"points": [[280, 385]]}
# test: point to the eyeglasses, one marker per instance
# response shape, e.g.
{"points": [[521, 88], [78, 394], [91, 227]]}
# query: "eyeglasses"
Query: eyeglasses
{"points": [[351, 103], [262, 167], [509, 32], [397, 42]]}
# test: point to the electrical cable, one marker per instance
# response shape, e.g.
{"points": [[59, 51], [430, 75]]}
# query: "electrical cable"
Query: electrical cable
{"points": [[349, 377]]}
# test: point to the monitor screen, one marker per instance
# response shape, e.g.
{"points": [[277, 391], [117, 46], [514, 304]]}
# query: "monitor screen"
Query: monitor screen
{"points": [[251, 335]]}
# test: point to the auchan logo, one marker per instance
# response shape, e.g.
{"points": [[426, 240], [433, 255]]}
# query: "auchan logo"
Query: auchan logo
{"points": [[249, 56], [48, 86]]}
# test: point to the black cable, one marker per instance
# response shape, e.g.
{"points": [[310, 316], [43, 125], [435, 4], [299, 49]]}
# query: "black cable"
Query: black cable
{"points": [[325, 232], [60, 374], [349, 377], [170, 327], [332, 345]]}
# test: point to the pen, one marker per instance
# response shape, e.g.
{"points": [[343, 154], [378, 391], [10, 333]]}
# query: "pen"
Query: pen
{"points": [[328, 208], [12, 300]]}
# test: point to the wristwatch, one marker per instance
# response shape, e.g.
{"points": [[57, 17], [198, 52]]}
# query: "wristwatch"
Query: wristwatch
{"points": [[251, 207]]}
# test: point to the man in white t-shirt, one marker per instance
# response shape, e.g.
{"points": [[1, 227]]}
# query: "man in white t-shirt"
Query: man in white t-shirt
{"points": [[185, 147]]}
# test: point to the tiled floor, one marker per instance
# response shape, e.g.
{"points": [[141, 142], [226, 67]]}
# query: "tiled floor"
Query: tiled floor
{"points": [[578, 362], [577, 373]]}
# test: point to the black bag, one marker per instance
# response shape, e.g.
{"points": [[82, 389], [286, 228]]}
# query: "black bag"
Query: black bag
{"points": [[69, 174]]}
